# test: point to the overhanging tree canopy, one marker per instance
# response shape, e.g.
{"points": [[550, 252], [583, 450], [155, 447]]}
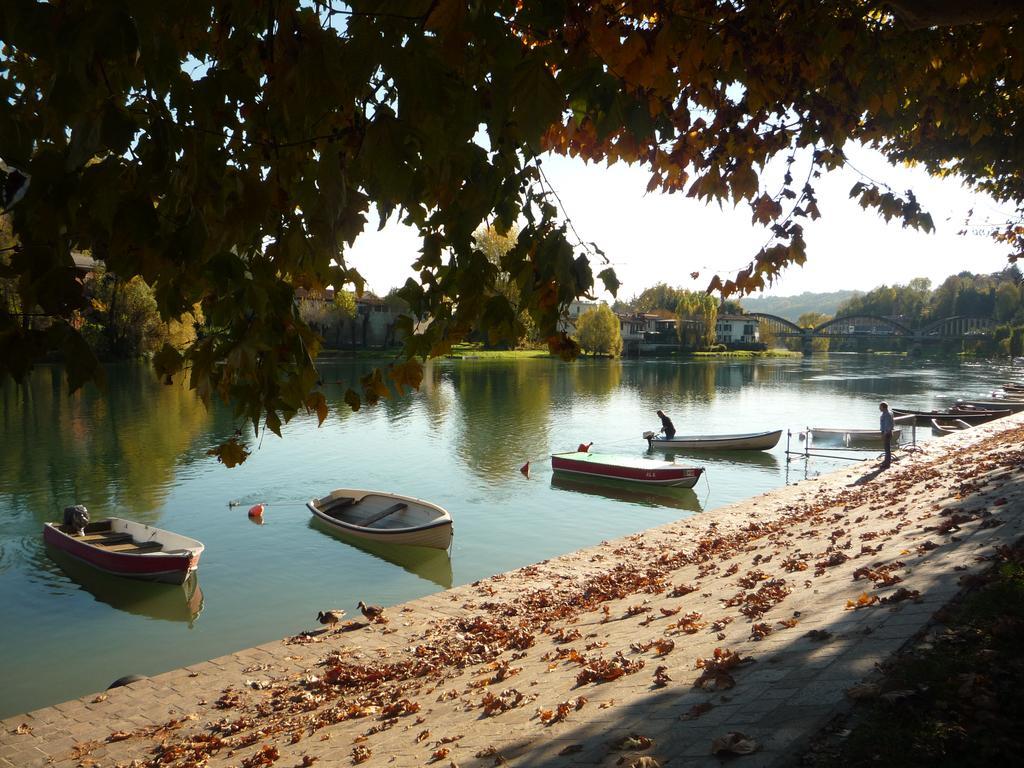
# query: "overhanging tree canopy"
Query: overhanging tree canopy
{"points": [[228, 152]]}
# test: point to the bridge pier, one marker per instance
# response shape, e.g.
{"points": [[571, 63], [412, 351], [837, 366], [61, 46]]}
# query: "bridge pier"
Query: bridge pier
{"points": [[916, 346], [807, 343]]}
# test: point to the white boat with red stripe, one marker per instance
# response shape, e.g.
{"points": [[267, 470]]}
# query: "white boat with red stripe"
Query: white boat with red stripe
{"points": [[130, 549], [634, 469]]}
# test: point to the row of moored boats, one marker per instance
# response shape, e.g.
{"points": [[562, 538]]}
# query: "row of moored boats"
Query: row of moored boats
{"points": [[136, 550]]}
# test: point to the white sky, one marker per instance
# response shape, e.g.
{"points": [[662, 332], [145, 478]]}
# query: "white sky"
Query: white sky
{"points": [[651, 238]]}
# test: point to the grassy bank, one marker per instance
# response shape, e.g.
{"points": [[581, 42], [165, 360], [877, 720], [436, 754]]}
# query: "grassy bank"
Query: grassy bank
{"points": [[744, 354], [459, 352], [954, 697], [477, 351]]}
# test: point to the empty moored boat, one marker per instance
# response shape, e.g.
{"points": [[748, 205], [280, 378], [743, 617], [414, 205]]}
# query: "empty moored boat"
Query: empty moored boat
{"points": [[867, 439], [130, 549], [633, 469], [994, 404], [385, 517], [948, 426], [970, 415], [749, 441]]}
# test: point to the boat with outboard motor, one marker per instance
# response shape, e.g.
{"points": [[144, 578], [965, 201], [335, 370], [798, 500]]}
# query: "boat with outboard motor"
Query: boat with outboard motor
{"points": [[747, 441], [126, 548]]}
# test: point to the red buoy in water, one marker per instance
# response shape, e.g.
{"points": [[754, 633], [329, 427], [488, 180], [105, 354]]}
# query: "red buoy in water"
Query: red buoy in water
{"points": [[256, 511]]}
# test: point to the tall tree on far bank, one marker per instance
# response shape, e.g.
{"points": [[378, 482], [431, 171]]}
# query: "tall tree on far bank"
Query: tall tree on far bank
{"points": [[659, 296], [906, 303], [730, 307], [516, 325], [813, 320], [598, 332], [696, 314]]}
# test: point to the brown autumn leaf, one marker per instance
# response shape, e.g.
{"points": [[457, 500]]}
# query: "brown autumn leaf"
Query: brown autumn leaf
{"points": [[862, 601], [661, 677], [734, 743], [360, 754], [265, 756], [632, 741], [697, 710], [902, 594], [863, 691]]}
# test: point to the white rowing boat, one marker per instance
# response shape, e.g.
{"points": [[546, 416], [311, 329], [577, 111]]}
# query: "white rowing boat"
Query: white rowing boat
{"points": [[942, 427], [385, 517], [749, 441], [853, 438]]}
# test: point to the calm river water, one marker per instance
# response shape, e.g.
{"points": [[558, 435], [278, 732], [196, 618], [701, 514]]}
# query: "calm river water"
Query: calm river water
{"points": [[140, 453]]}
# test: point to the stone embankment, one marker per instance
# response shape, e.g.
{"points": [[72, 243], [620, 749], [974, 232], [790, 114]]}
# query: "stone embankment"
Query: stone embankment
{"points": [[743, 629]]}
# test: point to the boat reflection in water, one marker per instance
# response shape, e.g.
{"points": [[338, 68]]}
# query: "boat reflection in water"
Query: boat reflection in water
{"points": [[166, 602], [755, 459], [434, 565], [623, 490]]}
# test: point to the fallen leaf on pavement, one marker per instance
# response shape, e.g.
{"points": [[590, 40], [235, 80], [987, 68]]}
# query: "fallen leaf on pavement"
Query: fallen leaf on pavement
{"points": [[633, 741], [734, 743], [697, 710], [863, 691]]}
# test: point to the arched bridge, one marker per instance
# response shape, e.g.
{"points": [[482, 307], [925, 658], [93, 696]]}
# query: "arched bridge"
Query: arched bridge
{"points": [[959, 327]]}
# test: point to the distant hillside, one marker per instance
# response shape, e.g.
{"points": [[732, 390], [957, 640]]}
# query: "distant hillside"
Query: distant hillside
{"points": [[791, 307]]}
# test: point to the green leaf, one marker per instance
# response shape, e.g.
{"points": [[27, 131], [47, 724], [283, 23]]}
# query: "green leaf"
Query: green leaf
{"points": [[610, 280]]}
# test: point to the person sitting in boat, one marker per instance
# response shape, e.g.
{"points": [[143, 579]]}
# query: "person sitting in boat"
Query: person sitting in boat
{"points": [[666, 425]]}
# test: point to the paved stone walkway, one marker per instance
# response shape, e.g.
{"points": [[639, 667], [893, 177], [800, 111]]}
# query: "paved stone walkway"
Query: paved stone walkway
{"points": [[606, 656]]}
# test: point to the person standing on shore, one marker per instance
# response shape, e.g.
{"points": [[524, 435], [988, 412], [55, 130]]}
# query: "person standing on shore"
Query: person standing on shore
{"points": [[885, 424], [666, 425]]}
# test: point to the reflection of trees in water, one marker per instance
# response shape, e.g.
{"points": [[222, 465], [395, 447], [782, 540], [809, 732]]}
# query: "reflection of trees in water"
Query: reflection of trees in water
{"points": [[661, 383], [858, 376], [113, 450], [597, 379], [340, 375], [505, 414], [437, 395]]}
